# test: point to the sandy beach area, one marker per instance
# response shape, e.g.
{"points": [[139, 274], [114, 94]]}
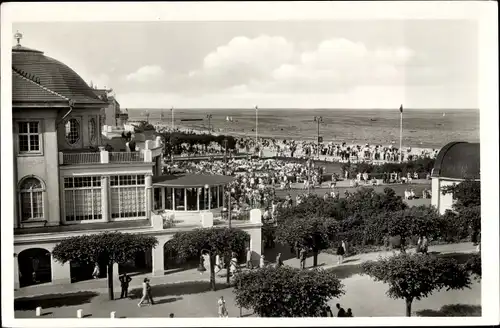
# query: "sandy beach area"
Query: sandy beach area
{"points": [[280, 139]]}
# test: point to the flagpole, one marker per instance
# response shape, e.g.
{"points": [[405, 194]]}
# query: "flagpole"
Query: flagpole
{"points": [[401, 134], [256, 125], [172, 111]]}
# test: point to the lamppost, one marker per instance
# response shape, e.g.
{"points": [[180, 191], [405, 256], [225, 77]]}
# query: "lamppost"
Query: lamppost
{"points": [[318, 120], [172, 115], [206, 196], [209, 116], [228, 193], [256, 126]]}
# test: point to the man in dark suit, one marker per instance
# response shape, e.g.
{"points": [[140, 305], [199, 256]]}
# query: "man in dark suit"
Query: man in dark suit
{"points": [[124, 281]]}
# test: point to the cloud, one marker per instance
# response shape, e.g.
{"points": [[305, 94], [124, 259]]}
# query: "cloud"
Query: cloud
{"points": [[340, 64], [241, 60], [274, 64], [146, 74]]}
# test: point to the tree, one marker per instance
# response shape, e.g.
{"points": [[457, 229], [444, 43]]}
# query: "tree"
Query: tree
{"points": [[473, 265], [108, 247], [312, 205], [414, 221], [313, 233], [223, 241], [286, 291], [416, 276], [467, 196]]}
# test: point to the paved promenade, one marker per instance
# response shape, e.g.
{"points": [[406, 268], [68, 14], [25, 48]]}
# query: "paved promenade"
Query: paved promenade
{"points": [[325, 260]]}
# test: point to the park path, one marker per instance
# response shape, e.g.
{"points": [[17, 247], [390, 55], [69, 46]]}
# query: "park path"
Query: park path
{"points": [[325, 260]]}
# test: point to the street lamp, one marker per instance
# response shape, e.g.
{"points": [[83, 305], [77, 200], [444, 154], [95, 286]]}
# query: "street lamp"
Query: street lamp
{"points": [[206, 196], [172, 116], [256, 125], [318, 119], [209, 117]]}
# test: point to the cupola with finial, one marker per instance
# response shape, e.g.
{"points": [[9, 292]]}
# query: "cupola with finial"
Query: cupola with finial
{"points": [[18, 36]]}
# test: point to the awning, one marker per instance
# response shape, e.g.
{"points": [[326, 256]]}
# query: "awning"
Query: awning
{"points": [[191, 180]]}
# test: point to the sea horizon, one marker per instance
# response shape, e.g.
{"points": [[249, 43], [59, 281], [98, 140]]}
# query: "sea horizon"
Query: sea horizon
{"points": [[302, 108]]}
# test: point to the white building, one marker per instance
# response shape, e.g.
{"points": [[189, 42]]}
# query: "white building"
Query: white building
{"points": [[455, 162], [67, 184]]}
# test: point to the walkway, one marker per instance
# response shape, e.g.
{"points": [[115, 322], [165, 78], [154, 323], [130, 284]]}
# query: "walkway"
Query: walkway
{"points": [[325, 260]]}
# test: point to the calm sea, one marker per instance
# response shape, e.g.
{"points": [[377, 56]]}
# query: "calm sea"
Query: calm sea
{"points": [[421, 127]]}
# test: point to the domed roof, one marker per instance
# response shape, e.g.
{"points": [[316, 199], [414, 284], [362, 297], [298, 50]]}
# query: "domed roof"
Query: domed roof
{"points": [[47, 76], [458, 160]]}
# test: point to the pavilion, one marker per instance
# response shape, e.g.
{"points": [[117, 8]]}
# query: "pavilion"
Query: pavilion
{"points": [[190, 192]]}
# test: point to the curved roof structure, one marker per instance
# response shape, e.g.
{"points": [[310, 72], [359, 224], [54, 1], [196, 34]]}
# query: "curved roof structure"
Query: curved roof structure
{"points": [[37, 78], [191, 180], [458, 160]]}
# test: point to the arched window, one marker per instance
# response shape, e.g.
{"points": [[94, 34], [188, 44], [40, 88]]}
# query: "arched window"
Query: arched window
{"points": [[92, 130], [31, 194], [72, 131]]}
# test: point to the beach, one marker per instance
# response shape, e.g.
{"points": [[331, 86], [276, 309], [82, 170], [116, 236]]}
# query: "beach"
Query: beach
{"points": [[426, 129]]}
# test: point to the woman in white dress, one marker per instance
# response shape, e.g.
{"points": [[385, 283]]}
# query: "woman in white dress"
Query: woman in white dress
{"points": [[221, 304]]}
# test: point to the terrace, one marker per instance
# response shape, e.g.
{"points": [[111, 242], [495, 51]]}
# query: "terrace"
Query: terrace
{"points": [[147, 152]]}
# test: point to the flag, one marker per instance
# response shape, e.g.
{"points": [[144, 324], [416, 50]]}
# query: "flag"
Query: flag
{"points": [[401, 109]]}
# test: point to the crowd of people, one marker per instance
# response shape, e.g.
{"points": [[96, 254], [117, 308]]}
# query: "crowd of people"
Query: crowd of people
{"points": [[256, 180], [333, 151]]}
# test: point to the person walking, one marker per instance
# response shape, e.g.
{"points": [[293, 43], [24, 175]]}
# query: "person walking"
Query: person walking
{"points": [[340, 253], [201, 266], [425, 245], [279, 262], [124, 282], [146, 293], [233, 266], [262, 263], [222, 310], [218, 263], [97, 272], [303, 256], [344, 246], [249, 259]]}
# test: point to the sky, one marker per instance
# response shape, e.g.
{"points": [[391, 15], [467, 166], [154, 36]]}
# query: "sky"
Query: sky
{"points": [[274, 64]]}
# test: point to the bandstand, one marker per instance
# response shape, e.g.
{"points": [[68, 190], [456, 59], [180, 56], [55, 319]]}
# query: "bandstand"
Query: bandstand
{"points": [[190, 193]]}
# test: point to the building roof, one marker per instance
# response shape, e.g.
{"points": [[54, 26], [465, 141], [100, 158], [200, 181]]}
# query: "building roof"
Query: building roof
{"points": [[458, 160], [51, 75], [27, 89], [191, 180]]}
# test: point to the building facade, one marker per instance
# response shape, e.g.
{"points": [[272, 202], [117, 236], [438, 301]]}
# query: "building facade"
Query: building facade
{"points": [[455, 162], [67, 183]]}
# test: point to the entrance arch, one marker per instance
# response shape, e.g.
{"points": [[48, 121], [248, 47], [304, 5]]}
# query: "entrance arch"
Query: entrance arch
{"points": [[34, 267], [142, 262]]}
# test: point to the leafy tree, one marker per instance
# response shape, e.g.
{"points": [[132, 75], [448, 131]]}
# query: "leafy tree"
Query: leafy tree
{"points": [[414, 221], [416, 276], [108, 247], [223, 241], [473, 265], [286, 291], [368, 203], [312, 233], [467, 194], [467, 205], [312, 205]]}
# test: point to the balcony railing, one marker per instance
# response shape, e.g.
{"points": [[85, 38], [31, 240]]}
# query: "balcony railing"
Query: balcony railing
{"points": [[81, 158], [120, 157], [146, 153]]}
